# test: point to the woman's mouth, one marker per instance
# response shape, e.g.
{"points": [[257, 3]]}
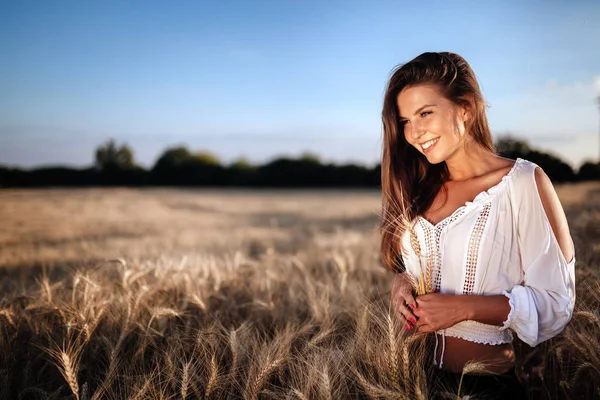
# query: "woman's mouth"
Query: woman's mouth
{"points": [[428, 146]]}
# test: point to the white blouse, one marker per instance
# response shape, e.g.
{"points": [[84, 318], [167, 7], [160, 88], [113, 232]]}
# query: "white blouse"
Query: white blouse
{"points": [[500, 243]]}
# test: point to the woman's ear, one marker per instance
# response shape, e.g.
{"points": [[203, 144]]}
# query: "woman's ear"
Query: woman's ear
{"points": [[467, 109], [466, 114]]}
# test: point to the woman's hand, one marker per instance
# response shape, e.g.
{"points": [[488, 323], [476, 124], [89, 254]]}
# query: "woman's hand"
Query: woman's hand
{"points": [[439, 311], [403, 300]]}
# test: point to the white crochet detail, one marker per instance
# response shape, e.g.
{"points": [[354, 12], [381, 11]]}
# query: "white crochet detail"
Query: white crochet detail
{"points": [[477, 332]]}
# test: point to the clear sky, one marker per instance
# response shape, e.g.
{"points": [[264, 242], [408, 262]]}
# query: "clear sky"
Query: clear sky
{"points": [[280, 77]]}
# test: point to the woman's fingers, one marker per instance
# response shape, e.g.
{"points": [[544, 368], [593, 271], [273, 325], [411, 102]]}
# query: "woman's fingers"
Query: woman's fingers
{"points": [[406, 288], [425, 328], [403, 320], [407, 325], [410, 300], [403, 287], [406, 298], [400, 303], [403, 300], [404, 314]]}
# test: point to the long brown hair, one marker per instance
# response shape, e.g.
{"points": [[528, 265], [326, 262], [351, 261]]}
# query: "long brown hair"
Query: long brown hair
{"points": [[409, 183]]}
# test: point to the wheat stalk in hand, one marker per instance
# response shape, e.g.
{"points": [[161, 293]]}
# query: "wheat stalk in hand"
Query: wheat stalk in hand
{"points": [[422, 284]]}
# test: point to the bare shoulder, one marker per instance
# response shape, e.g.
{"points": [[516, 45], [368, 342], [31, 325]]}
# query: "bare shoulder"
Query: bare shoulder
{"points": [[555, 213], [502, 166]]}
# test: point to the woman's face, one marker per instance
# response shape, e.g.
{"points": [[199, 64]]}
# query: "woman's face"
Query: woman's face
{"points": [[432, 124]]}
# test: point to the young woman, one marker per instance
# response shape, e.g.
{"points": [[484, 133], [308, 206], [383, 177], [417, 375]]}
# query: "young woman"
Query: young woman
{"points": [[487, 233]]}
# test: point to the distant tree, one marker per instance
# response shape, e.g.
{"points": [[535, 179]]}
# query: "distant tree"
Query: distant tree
{"points": [[242, 173], [509, 145], [111, 156], [288, 172], [513, 147], [309, 157], [556, 169], [179, 166], [206, 158], [589, 171], [168, 168], [349, 175], [375, 176], [241, 163], [171, 158]]}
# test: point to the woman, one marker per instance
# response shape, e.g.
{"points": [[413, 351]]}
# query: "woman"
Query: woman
{"points": [[488, 234]]}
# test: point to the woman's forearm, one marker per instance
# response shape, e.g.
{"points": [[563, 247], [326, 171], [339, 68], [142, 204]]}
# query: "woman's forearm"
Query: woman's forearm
{"points": [[491, 310]]}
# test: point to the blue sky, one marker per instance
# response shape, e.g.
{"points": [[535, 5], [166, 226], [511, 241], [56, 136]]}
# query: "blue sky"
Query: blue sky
{"points": [[265, 78]]}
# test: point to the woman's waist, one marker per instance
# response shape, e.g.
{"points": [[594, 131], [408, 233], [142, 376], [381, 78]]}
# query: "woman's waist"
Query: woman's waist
{"points": [[458, 352]]}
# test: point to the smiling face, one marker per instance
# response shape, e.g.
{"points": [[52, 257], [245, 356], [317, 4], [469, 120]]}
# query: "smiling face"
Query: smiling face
{"points": [[432, 124]]}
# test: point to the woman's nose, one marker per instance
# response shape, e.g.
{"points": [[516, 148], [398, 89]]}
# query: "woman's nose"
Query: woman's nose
{"points": [[415, 130]]}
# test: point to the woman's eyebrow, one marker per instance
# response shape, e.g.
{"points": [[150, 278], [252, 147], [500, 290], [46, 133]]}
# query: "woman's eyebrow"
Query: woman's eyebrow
{"points": [[421, 108]]}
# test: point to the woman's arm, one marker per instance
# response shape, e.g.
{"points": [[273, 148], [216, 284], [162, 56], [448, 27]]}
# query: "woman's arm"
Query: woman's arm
{"points": [[491, 310], [543, 303], [440, 311]]}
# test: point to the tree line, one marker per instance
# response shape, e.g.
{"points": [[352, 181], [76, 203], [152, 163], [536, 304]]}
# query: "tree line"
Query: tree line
{"points": [[178, 166]]}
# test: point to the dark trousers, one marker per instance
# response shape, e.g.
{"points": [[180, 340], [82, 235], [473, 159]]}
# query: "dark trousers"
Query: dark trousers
{"points": [[501, 386]]}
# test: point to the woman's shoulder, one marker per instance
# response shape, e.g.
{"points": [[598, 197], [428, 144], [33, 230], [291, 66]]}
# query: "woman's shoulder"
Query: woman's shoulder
{"points": [[522, 175]]}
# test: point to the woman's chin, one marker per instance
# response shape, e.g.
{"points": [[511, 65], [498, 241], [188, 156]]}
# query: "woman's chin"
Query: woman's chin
{"points": [[434, 158]]}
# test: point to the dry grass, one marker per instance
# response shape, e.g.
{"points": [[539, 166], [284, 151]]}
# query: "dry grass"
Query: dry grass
{"points": [[165, 294]]}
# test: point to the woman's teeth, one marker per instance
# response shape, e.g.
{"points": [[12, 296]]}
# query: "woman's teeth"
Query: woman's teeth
{"points": [[427, 145]]}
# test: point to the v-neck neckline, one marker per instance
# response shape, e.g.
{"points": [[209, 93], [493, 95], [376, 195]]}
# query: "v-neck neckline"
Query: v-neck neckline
{"points": [[484, 193]]}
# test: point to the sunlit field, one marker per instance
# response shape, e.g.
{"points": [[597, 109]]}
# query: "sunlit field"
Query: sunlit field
{"points": [[230, 294]]}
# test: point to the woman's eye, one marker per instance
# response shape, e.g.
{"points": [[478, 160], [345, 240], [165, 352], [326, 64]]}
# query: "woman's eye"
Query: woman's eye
{"points": [[403, 123], [425, 113]]}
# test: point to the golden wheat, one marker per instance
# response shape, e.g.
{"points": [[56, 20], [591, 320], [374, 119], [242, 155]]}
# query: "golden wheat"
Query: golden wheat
{"points": [[469, 368], [67, 359], [308, 316]]}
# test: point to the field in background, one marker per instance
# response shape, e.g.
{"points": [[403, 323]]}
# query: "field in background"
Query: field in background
{"points": [[48, 226], [168, 293]]}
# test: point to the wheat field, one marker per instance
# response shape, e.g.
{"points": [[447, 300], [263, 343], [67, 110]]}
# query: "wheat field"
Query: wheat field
{"points": [[237, 294]]}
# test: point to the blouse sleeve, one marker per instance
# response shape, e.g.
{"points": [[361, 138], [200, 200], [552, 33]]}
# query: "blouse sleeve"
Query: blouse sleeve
{"points": [[542, 305]]}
